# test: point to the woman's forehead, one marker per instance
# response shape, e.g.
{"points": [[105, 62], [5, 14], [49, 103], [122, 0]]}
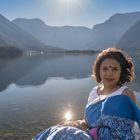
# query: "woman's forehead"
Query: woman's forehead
{"points": [[110, 63]]}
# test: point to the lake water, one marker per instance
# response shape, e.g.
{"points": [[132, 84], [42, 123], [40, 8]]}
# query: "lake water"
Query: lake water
{"points": [[36, 91]]}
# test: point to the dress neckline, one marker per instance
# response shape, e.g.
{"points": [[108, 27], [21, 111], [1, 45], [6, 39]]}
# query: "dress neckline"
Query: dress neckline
{"points": [[110, 93], [94, 97], [116, 92]]}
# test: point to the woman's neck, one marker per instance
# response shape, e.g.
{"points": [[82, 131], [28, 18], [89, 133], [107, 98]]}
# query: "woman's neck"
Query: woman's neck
{"points": [[103, 90]]}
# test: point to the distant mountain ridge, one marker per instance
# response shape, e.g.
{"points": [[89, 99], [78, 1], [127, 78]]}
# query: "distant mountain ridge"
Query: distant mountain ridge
{"points": [[34, 34], [101, 36], [14, 36], [131, 39], [107, 34], [67, 37]]}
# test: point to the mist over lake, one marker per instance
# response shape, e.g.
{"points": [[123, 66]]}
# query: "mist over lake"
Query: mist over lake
{"points": [[36, 91]]}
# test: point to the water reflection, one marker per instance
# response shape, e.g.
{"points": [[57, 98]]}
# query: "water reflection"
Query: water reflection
{"points": [[27, 71], [37, 91], [68, 115], [27, 111], [35, 71]]}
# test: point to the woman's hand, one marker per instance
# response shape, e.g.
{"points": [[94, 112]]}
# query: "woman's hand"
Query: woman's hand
{"points": [[81, 124]]}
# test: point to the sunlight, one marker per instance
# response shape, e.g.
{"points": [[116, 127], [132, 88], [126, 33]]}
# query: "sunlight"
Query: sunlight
{"points": [[65, 12], [68, 1], [68, 115]]}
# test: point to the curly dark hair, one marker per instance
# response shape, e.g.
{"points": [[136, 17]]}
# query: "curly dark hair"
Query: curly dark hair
{"points": [[127, 66]]}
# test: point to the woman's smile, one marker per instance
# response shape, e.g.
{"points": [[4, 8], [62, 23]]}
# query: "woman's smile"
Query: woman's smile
{"points": [[109, 79]]}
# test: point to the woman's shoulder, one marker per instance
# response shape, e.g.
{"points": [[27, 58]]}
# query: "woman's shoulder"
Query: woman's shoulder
{"points": [[130, 93]]}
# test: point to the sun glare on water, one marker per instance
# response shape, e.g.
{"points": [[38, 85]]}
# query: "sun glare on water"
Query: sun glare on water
{"points": [[68, 115]]}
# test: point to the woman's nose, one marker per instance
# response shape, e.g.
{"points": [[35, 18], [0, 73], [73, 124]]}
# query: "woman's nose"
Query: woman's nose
{"points": [[109, 72]]}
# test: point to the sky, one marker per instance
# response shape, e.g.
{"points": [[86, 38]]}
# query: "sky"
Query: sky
{"points": [[67, 12]]}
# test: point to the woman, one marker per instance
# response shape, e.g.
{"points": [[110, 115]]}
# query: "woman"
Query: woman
{"points": [[111, 112]]}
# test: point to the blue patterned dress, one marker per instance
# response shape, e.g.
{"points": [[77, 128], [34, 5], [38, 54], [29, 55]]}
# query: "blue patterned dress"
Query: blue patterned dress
{"points": [[117, 118]]}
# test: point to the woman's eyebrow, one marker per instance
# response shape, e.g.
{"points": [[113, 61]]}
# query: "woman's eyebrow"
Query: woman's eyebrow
{"points": [[110, 66]]}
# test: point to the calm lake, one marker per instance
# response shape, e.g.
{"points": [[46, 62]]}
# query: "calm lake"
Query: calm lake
{"points": [[36, 91]]}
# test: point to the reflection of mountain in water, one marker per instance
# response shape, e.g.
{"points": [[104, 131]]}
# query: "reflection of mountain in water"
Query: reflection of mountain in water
{"points": [[36, 70]]}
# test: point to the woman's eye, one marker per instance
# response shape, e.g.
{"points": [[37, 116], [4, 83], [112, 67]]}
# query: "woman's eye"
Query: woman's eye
{"points": [[104, 68], [115, 69]]}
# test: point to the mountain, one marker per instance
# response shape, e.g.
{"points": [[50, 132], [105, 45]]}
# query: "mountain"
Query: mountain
{"points": [[3, 42], [6, 49], [13, 35], [107, 34], [101, 36], [67, 37], [131, 39]]}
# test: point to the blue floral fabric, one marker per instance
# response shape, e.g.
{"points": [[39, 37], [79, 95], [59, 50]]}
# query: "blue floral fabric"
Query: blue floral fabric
{"points": [[117, 117], [59, 132]]}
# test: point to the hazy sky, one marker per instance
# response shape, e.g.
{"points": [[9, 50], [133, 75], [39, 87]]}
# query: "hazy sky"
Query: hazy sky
{"points": [[67, 12]]}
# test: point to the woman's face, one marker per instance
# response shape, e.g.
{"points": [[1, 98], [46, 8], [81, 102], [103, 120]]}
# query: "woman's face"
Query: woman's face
{"points": [[110, 71]]}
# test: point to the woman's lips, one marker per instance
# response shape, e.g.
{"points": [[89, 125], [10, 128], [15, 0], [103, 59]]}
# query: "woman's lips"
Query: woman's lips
{"points": [[109, 79]]}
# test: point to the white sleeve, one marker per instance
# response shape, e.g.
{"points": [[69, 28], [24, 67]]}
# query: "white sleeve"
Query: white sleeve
{"points": [[91, 95]]}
